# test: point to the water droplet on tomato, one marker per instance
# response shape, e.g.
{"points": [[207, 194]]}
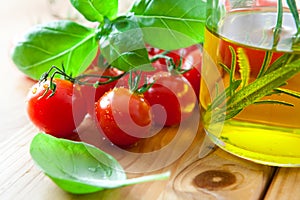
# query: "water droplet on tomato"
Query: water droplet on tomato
{"points": [[45, 86], [34, 90]]}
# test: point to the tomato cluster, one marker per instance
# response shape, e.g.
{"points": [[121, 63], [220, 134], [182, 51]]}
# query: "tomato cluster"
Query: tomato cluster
{"points": [[122, 114]]}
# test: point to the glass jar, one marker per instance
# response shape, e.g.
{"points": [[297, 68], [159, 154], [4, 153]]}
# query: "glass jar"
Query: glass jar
{"points": [[250, 88]]}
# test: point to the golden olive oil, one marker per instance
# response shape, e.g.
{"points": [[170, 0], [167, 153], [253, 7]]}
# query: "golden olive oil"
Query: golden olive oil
{"points": [[264, 133]]}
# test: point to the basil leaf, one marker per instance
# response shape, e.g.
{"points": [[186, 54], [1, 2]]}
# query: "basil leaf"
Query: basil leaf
{"points": [[123, 46], [55, 43], [80, 168], [177, 24], [95, 10]]}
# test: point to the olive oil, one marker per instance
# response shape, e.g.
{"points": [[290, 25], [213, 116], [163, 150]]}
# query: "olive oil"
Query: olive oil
{"points": [[264, 133]]}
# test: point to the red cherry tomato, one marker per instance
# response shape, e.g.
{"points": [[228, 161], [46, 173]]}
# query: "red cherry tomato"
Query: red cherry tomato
{"points": [[92, 94], [193, 63], [124, 117], [174, 94], [58, 114], [191, 58]]}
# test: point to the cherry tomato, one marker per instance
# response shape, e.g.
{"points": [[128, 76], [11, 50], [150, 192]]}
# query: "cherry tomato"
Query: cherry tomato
{"points": [[92, 94], [191, 60], [193, 63], [57, 114], [175, 94], [124, 117]]}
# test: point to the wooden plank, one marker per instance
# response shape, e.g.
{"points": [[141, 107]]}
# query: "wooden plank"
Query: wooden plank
{"points": [[220, 176], [20, 179], [285, 185]]}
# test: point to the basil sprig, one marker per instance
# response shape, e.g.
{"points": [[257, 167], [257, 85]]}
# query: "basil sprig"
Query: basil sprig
{"points": [[163, 24]]}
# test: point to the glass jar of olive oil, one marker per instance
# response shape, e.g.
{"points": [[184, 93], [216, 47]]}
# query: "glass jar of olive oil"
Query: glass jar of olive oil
{"points": [[250, 102]]}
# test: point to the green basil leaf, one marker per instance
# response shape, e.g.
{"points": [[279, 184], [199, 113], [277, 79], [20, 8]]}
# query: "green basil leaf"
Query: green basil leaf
{"points": [[96, 10], [123, 45], [80, 168], [177, 24], [55, 43]]}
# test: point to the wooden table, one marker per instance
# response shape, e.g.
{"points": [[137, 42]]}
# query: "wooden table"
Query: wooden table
{"points": [[191, 178]]}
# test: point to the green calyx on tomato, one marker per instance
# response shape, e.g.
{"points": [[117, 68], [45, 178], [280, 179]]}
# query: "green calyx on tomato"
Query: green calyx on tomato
{"points": [[98, 78]]}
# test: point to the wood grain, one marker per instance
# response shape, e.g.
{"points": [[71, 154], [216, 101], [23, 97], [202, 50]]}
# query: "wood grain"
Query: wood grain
{"points": [[285, 185], [220, 176]]}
